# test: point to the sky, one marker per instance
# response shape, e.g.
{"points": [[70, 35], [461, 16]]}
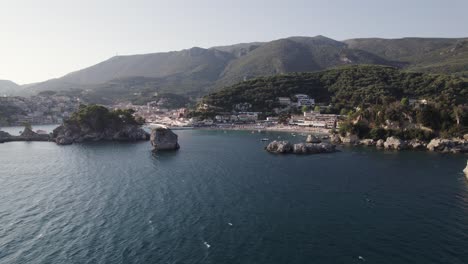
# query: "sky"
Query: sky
{"points": [[44, 39]]}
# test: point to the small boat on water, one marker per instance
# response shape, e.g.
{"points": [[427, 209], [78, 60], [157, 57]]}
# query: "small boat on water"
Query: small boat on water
{"points": [[265, 139]]}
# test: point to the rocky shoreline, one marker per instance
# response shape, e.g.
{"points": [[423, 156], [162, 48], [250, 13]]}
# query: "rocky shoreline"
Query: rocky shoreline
{"points": [[454, 145]]}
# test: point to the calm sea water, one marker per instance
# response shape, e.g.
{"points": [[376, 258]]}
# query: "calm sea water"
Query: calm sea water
{"points": [[222, 199]]}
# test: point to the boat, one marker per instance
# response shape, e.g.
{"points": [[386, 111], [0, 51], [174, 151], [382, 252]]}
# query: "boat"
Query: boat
{"points": [[265, 139]]}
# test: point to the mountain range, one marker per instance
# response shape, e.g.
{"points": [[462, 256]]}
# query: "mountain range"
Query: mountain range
{"points": [[198, 71]]}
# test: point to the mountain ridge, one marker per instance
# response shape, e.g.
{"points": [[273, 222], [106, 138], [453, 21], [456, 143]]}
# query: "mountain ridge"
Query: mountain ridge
{"points": [[8, 87], [197, 71]]}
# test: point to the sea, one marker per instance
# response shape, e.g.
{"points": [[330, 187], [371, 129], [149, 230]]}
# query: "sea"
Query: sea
{"points": [[223, 199]]}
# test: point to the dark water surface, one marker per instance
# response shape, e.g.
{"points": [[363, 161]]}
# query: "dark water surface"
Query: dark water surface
{"points": [[222, 199]]}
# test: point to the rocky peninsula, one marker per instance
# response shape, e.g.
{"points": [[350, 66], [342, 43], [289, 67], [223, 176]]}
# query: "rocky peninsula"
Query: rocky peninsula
{"points": [[89, 123]]}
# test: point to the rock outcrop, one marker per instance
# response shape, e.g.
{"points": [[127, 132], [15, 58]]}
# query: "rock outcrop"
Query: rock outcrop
{"points": [[416, 144], [164, 139], [284, 147], [350, 139], [367, 142], [380, 143], [455, 145], [312, 139], [279, 147], [26, 135], [394, 143], [29, 135]]}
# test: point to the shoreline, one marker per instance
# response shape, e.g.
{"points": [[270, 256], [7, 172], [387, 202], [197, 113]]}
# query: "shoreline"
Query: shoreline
{"points": [[316, 131]]}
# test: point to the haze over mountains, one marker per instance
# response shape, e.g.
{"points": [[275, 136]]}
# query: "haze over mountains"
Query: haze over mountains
{"points": [[8, 87], [198, 71]]}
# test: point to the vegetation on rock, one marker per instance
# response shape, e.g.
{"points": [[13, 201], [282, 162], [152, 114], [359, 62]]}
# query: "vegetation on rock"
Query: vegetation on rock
{"points": [[98, 118]]}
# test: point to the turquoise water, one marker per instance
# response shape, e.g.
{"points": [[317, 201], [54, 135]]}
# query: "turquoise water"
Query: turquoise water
{"points": [[222, 199]]}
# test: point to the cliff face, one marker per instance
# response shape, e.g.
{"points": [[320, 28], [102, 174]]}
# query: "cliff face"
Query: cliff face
{"points": [[164, 139]]}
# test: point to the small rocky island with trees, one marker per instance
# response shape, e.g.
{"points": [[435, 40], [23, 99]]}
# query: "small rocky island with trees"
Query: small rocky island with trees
{"points": [[94, 123], [89, 123]]}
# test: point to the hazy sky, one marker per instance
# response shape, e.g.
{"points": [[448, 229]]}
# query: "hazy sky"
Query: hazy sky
{"points": [[43, 39]]}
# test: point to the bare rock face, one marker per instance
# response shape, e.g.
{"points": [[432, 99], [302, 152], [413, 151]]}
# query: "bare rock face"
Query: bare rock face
{"points": [[312, 139], [448, 145], [417, 144], [394, 143], [380, 143], [279, 147], [164, 139], [313, 148], [367, 142], [350, 139], [283, 147]]}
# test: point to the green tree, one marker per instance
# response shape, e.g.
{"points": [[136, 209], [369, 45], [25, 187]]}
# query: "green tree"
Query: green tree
{"points": [[404, 102]]}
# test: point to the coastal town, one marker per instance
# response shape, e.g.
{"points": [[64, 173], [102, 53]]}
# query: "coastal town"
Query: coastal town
{"points": [[307, 116], [302, 114], [36, 110]]}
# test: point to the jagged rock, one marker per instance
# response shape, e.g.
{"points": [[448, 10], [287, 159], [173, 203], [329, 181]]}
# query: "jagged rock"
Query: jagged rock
{"points": [[312, 139], [279, 147], [313, 148], [394, 143], [335, 139], [164, 139], [350, 139], [380, 143], [448, 145], [29, 135], [417, 144], [367, 142], [300, 148]]}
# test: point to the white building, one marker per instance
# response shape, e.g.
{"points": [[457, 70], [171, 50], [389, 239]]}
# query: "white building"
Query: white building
{"points": [[286, 101]]}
